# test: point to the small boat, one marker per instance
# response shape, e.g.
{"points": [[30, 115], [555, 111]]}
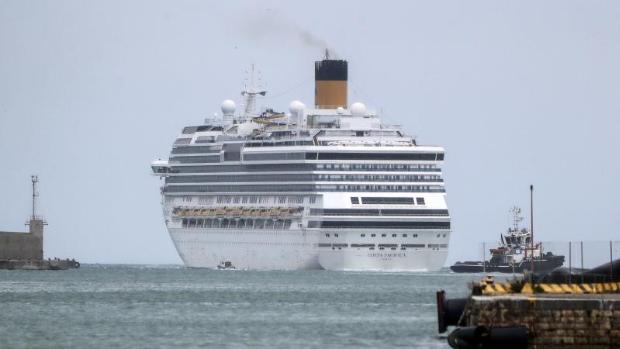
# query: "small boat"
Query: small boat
{"points": [[515, 254], [226, 265]]}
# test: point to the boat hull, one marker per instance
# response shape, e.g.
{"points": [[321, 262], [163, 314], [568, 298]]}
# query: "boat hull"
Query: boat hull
{"points": [[257, 250], [292, 250], [545, 265], [386, 260]]}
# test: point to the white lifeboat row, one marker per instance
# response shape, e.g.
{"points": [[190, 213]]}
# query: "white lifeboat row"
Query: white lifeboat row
{"points": [[238, 211]]}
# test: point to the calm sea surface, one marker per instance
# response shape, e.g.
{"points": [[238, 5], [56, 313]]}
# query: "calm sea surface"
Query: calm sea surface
{"points": [[112, 306]]}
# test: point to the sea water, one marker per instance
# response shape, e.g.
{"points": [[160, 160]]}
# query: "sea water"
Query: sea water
{"points": [[119, 306]]}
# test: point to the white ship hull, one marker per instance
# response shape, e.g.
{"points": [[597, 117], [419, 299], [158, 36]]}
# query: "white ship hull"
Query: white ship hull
{"points": [[256, 250], [293, 250], [385, 260]]}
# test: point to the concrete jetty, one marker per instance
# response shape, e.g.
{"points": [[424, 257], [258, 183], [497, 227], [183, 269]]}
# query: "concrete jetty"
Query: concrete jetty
{"points": [[536, 315], [24, 250], [552, 320]]}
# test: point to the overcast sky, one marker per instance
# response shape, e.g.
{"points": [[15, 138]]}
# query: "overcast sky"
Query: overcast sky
{"points": [[518, 92]]}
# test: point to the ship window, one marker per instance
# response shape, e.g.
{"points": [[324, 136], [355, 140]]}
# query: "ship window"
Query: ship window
{"points": [[415, 235], [313, 199], [387, 200], [381, 248], [383, 235], [378, 156], [326, 235], [404, 235], [355, 200], [444, 235], [363, 235], [420, 201], [438, 235], [381, 224], [393, 235], [413, 245], [336, 235], [373, 235]]}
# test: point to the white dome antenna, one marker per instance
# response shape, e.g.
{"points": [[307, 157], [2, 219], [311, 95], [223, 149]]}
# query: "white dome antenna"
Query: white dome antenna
{"points": [[358, 109], [228, 107], [297, 112], [296, 107]]}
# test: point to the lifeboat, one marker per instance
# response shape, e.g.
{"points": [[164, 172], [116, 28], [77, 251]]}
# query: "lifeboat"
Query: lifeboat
{"points": [[235, 211]]}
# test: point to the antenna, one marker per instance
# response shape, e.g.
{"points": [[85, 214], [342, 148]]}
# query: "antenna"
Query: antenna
{"points": [[35, 194], [532, 225], [250, 93], [516, 217], [326, 54]]}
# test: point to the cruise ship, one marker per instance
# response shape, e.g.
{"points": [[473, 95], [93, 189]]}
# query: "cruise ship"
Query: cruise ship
{"points": [[330, 187]]}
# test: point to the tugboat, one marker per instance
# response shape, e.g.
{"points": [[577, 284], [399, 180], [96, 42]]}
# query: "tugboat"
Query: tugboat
{"points": [[515, 254]]}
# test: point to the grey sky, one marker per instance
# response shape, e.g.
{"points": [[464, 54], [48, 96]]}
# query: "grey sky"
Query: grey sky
{"points": [[518, 92]]}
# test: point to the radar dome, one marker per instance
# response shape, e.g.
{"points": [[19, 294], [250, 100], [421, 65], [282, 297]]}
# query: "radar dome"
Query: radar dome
{"points": [[358, 109], [296, 107], [340, 110], [228, 107]]}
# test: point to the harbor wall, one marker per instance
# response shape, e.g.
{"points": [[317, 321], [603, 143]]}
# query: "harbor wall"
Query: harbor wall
{"points": [[561, 321], [23, 245]]}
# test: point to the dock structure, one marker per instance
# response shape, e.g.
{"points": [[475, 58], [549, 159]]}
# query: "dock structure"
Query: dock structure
{"points": [[543, 314], [23, 245], [552, 320], [24, 250]]}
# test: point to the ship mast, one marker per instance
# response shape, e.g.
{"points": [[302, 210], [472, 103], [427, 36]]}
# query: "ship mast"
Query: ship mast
{"points": [[250, 92], [516, 217], [532, 224]]}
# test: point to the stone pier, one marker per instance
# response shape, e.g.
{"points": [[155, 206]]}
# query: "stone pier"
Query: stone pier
{"points": [[553, 320]]}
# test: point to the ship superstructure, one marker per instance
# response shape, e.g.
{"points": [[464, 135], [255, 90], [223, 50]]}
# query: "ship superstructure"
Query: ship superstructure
{"points": [[329, 187]]}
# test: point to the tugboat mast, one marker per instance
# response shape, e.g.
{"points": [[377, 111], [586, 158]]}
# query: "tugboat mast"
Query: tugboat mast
{"points": [[532, 224]]}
